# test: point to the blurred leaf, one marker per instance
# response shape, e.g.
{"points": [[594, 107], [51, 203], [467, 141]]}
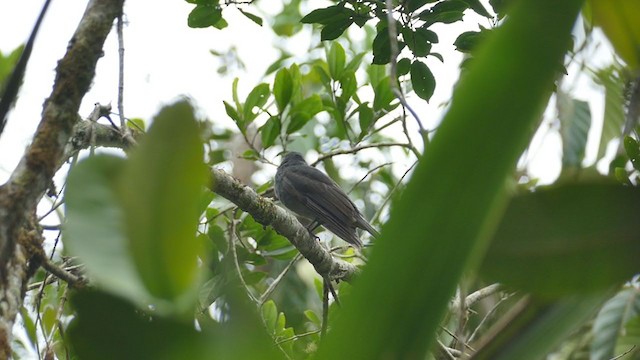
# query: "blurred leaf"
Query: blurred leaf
{"points": [[303, 111], [365, 119], [160, 189], [270, 131], [349, 85], [619, 21], [468, 40], [95, 228], [533, 328], [255, 18], [29, 326], [567, 239], [477, 6], [575, 121], [383, 95], [103, 320], [336, 59], [382, 47], [611, 321], [327, 15], [632, 148], [416, 41], [203, 16], [422, 79], [413, 5], [629, 339], [269, 314], [282, 88], [334, 29], [443, 221], [403, 66], [613, 83], [257, 98]]}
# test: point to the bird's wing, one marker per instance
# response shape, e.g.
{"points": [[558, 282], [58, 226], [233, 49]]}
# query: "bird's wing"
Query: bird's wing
{"points": [[331, 206]]}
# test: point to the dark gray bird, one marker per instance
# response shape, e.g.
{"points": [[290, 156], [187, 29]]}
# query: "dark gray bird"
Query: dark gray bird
{"points": [[311, 194]]}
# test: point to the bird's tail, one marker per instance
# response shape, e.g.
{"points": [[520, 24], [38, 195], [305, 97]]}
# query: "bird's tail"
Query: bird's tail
{"points": [[366, 226]]}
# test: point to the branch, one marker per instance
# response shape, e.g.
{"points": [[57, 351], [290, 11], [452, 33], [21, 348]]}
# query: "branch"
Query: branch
{"points": [[266, 213], [42, 159]]}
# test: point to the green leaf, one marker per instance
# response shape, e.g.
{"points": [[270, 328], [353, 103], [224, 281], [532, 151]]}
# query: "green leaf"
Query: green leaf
{"points": [[327, 15], [381, 47], [270, 131], [613, 83], [383, 95], [443, 222], [575, 121], [334, 29], [160, 190], [336, 59], [413, 5], [424, 84], [255, 18], [282, 88], [567, 239], [477, 6], [95, 229], [203, 16], [270, 314], [535, 328], [611, 321], [416, 42], [403, 66], [365, 119], [234, 115], [303, 111], [632, 148], [427, 34], [256, 99], [467, 41], [349, 85]]}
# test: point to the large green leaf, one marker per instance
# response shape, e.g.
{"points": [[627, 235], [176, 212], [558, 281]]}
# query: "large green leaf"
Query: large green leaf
{"points": [[444, 219], [160, 190], [567, 239], [611, 321], [533, 328], [94, 228]]}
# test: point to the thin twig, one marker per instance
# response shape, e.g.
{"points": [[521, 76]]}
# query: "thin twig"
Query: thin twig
{"points": [[296, 337], [279, 278], [359, 148], [232, 246]]}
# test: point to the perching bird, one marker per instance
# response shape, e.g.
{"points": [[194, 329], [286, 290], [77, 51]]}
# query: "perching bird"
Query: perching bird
{"points": [[311, 194]]}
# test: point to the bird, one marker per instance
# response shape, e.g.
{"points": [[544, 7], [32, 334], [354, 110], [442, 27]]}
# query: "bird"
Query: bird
{"points": [[313, 195]]}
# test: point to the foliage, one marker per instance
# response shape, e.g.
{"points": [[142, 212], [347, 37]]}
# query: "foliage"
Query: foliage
{"points": [[162, 251]]}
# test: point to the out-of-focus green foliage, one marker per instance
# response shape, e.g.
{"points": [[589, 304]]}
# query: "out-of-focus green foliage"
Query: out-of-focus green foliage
{"points": [[180, 272]]}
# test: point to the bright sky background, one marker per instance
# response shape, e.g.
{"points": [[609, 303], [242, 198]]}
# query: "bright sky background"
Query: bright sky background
{"points": [[165, 59]]}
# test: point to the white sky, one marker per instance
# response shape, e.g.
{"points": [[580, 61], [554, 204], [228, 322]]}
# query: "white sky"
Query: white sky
{"points": [[165, 59]]}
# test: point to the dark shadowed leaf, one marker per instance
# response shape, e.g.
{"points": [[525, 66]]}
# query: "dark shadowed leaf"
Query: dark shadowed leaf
{"points": [[381, 47], [422, 79], [567, 239], [204, 16], [334, 29]]}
